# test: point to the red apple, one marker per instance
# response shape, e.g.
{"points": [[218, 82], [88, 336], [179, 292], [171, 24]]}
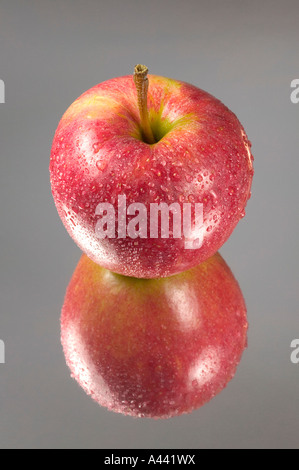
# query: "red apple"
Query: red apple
{"points": [[153, 347], [178, 144]]}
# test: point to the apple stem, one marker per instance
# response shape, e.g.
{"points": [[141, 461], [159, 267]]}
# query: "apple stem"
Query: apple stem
{"points": [[141, 83]]}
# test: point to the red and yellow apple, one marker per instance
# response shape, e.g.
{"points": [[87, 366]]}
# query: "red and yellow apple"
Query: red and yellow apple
{"points": [[181, 145], [153, 348]]}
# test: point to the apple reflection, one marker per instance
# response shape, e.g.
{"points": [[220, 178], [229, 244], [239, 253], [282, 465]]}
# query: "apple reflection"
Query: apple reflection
{"points": [[154, 348]]}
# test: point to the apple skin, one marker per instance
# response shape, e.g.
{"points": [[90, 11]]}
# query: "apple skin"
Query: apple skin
{"points": [[202, 156], [153, 348]]}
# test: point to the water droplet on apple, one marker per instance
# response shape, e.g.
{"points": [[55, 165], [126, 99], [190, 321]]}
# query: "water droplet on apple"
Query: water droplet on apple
{"points": [[96, 147], [156, 171], [100, 164], [174, 174]]}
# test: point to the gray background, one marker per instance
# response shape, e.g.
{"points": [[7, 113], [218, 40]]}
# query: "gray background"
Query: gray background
{"points": [[245, 53]]}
